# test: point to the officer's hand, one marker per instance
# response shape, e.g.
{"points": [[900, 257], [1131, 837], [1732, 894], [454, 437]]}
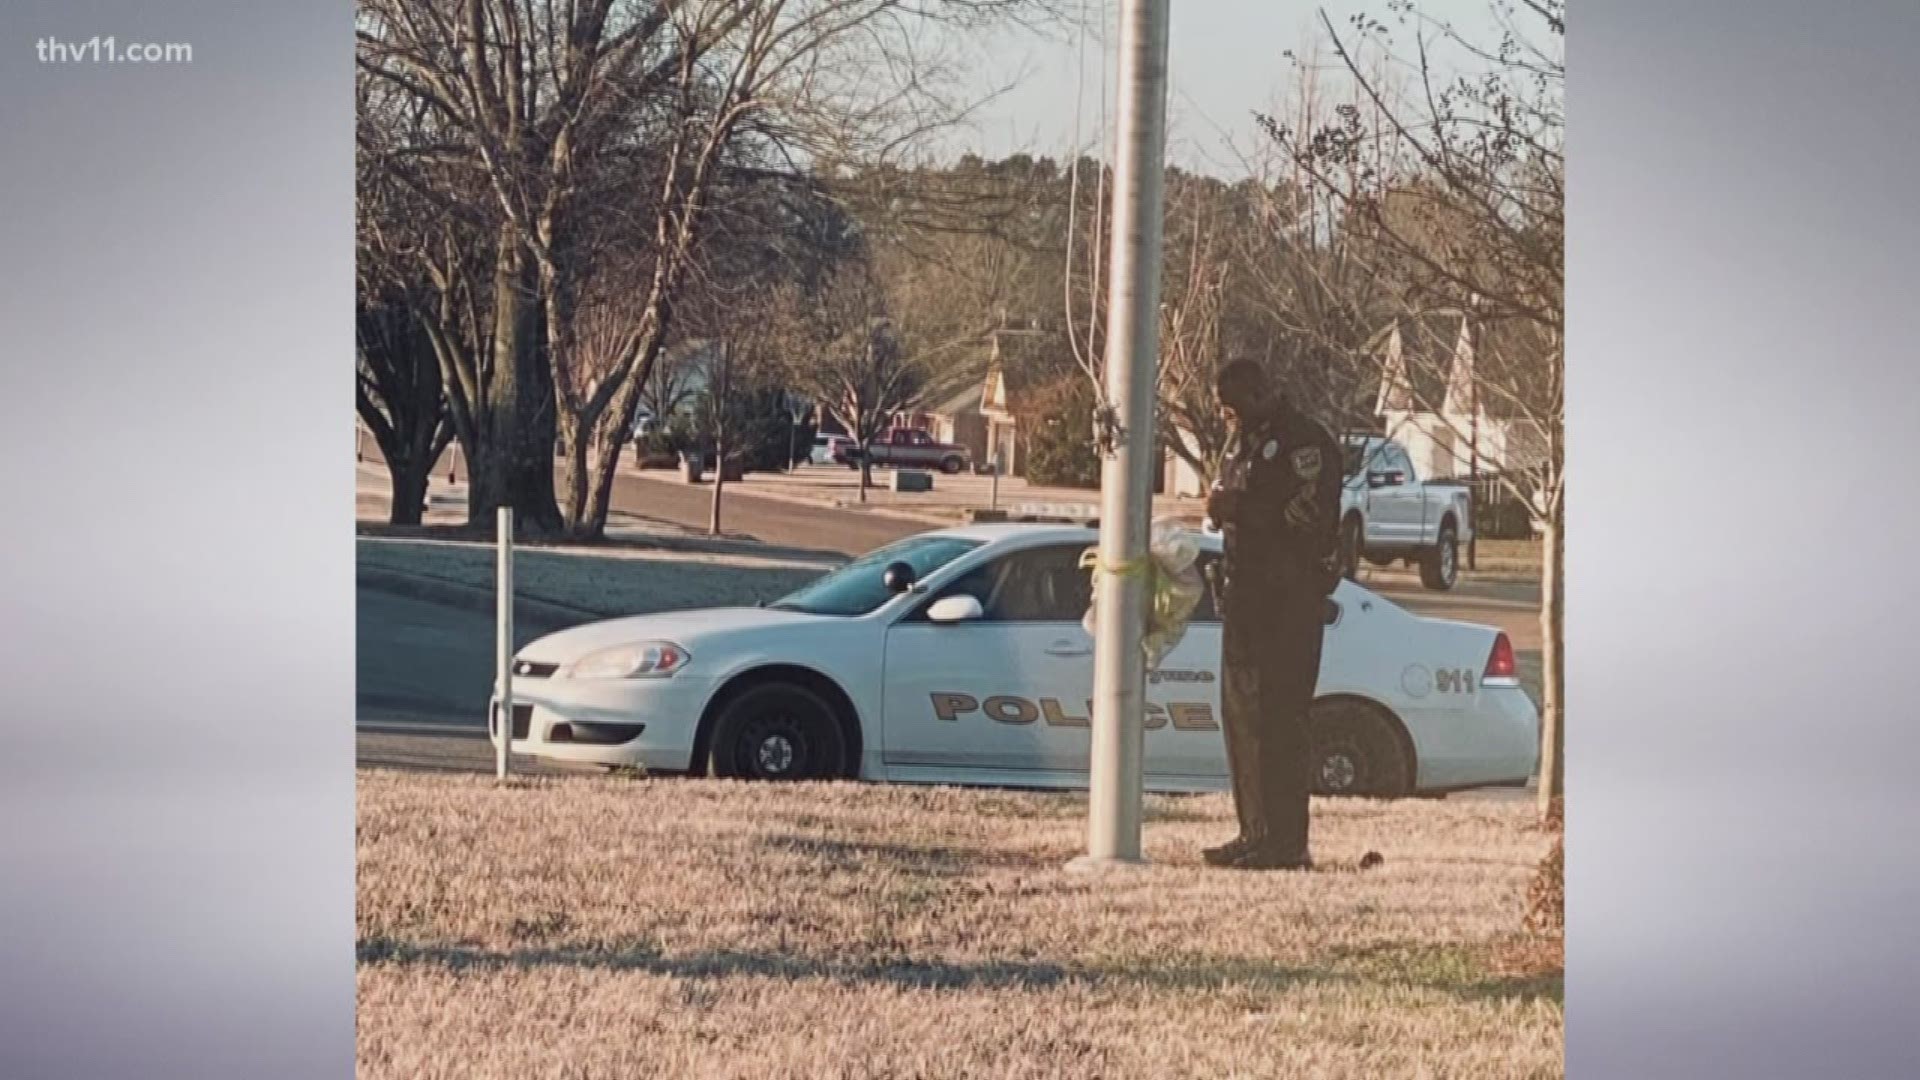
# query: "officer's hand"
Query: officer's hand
{"points": [[1220, 505]]}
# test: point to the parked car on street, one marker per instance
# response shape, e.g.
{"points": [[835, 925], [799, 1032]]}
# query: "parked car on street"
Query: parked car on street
{"points": [[959, 656], [830, 449], [1388, 513], [912, 448]]}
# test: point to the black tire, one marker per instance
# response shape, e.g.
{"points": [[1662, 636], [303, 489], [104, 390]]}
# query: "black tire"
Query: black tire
{"points": [[1357, 751], [778, 731], [1440, 564], [952, 466], [1352, 534]]}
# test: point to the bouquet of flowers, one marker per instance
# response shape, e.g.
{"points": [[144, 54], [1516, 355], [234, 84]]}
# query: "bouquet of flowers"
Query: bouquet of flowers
{"points": [[1174, 586]]}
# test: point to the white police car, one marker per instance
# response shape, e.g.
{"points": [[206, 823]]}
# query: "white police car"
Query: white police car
{"points": [[958, 656]]}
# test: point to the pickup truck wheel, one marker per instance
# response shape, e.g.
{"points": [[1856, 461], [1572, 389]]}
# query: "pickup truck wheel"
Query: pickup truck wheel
{"points": [[1351, 532], [1440, 564], [952, 465], [1357, 751]]}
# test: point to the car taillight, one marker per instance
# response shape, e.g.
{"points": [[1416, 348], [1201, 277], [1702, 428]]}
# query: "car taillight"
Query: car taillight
{"points": [[1501, 668]]}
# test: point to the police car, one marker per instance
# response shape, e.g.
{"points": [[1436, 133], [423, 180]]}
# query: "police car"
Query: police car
{"points": [[958, 657]]}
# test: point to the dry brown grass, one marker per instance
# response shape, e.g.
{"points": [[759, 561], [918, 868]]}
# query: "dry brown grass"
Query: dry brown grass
{"points": [[605, 928], [1547, 894]]}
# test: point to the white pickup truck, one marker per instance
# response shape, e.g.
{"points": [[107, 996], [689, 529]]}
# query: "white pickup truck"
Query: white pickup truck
{"points": [[1389, 514]]}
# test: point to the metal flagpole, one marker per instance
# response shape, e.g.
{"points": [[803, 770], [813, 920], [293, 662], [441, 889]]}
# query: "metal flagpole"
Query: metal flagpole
{"points": [[1126, 476]]}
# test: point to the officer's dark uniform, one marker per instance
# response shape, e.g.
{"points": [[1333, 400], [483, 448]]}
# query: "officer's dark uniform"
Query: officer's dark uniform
{"points": [[1278, 506]]}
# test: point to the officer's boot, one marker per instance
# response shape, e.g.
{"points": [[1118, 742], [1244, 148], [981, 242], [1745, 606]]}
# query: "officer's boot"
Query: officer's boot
{"points": [[1243, 771]]}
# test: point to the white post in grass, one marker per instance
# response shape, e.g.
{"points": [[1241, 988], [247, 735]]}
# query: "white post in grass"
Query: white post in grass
{"points": [[1116, 782], [503, 645]]}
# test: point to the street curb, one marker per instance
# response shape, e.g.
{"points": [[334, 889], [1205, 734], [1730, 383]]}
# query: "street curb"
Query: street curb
{"points": [[1510, 577], [460, 594], [802, 500]]}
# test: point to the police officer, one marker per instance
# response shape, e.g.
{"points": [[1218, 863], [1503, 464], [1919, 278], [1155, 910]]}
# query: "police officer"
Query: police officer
{"points": [[1278, 505]]}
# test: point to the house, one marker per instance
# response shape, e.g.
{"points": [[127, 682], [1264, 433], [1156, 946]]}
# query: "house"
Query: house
{"points": [[1016, 357], [1181, 479], [958, 420], [1434, 397]]}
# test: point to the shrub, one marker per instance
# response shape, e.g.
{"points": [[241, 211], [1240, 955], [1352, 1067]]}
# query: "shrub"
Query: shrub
{"points": [[1058, 425]]}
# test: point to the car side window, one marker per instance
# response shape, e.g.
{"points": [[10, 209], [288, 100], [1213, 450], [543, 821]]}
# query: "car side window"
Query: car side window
{"points": [[1040, 585]]}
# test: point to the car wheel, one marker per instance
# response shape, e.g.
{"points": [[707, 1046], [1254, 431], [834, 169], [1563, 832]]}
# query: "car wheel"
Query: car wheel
{"points": [[778, 731], [1357, 751], [951, 466], [1440, 566], [1351, 533]]}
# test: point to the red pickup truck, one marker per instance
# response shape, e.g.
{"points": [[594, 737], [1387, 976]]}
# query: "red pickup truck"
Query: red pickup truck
{"points": [[910, 448]]}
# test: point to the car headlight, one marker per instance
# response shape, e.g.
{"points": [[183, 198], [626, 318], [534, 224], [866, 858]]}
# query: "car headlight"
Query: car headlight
{"points": [[640, 660]]}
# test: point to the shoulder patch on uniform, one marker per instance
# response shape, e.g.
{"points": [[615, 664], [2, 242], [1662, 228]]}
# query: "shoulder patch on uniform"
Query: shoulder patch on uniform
{"points": [[1270, 449], [1306, 462]]}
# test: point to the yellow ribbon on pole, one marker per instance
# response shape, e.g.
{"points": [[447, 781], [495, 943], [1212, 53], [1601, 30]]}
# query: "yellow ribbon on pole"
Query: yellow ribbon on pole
{"points": [[1174, 586]]}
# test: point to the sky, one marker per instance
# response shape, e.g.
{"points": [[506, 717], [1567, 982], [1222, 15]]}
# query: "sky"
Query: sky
{"points": [[1226, 59]]}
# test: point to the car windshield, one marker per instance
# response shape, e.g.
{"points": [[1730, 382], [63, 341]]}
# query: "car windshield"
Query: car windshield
{"points": [[1354, 451], [859, 588]]}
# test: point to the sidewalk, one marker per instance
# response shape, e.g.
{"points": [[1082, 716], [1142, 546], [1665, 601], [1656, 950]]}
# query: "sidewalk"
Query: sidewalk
{"points": [[837, 487]]}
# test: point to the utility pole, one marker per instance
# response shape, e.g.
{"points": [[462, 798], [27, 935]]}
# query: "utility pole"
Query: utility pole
{"points": [[1127, 437], [1473, 485]]}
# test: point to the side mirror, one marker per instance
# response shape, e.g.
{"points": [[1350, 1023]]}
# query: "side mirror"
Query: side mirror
{"points": [[899, 577], [955, 609]]}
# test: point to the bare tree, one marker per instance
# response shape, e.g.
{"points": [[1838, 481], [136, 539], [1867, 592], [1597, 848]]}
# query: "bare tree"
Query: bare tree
{"points": [[401, 401], [1456, 187], [424, 245], [849, 357], [568, 111], [1193, 314]]}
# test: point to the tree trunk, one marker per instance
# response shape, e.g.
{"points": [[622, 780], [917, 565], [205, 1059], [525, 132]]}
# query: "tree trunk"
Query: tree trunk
{"points": [[606, 464], [409, 486], [1553, 772], [719, 485], [576, 444], [513, 465]]}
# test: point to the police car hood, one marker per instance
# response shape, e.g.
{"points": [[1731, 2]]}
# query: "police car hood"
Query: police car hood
{"points": [[684, 628]]}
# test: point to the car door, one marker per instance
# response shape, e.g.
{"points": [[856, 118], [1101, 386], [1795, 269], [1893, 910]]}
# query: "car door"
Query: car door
{"points": [[920, 446], [1396, 506], [1009, 691], [1184, 745]]}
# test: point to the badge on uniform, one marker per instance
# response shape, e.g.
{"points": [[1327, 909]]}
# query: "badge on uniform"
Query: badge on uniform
{"points": [[1306, 461]]}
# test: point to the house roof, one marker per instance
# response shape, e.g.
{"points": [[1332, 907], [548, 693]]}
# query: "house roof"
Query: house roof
{"points": [[966, 400], [1425, 358], [1416, 356], [1020, 360]]}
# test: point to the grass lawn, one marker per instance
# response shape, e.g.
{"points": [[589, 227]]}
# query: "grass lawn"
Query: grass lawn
{"points": [[588, 927]]}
